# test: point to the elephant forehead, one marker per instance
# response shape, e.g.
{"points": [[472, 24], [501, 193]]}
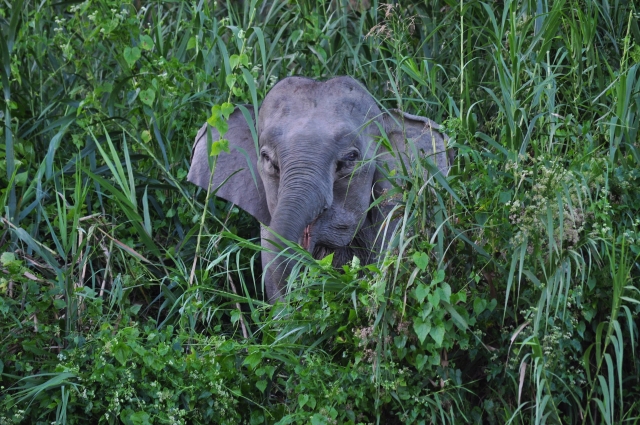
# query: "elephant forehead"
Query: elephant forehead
{"points": [[319, 128], [314, 133], [340, 100]]}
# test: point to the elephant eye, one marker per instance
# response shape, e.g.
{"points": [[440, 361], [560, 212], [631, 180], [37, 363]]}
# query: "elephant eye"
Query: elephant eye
{"points": [[347, 161], [267, 159], [350, 157]]}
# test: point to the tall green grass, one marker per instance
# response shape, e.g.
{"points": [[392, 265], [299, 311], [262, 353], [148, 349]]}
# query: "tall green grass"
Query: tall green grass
{"points": [[510, 291]]}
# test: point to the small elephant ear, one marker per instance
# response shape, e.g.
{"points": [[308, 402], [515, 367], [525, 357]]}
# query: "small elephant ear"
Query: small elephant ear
{"points": [[410, 135], [235, 177]]}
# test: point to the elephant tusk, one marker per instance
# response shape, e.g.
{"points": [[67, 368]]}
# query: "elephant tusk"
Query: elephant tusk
{"points": [[306, 237]]}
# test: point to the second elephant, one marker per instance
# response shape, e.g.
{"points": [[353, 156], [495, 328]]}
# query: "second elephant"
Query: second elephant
{"points": [[317, 167]]}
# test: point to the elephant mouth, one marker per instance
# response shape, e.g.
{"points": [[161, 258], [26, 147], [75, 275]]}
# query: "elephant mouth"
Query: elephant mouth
{"points": [[319, 250], [318, 247]]}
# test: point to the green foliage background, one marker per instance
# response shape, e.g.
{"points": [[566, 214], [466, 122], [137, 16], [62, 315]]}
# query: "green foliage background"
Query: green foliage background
{"points": [[511, 292]]}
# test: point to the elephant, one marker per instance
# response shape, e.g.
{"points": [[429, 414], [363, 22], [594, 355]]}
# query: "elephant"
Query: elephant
{"points": [[321, 161]]}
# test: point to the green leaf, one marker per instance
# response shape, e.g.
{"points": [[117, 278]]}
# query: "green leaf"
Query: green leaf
{"points": [[218, 121], [312, 402], [320, 52], [504, 197], [400, 341], [421, 259], [146, 42], [434, 299], [191, 43], [457, 318], [148, 96], [218, 147], [253, 359], [121, 353], [244, 60], [327, 262], [462, 296], [235, 314], [261, 385], [302, 400], [427, 308], [251, 84], [145, 136], [233, 62], [231, 80], [439, 277], [131, 55], [7, 257], [493, 304], [222, 128], [31, 346], [479, 305], [445, 292], [421, 360], [237, 91], [295, 36], [4, 308], [9, 261], [437, 333], [226, 110], [257, 417], [269, 371], [138, 418], [421, 292], [216, 112], [318, 419], [421, 328]]}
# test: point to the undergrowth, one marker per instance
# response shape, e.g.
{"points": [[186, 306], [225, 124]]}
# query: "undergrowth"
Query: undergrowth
{"points": [[509, 293]]}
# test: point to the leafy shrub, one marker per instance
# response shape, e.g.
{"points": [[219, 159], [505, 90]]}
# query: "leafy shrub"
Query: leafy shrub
{"points": [[509, 292]]}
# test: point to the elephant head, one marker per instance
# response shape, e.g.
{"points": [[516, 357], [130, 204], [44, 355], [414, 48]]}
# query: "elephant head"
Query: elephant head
{"points": [[318, 165]]}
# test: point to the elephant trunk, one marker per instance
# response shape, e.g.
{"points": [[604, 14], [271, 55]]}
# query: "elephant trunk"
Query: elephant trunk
{"points": [[300, 202]]}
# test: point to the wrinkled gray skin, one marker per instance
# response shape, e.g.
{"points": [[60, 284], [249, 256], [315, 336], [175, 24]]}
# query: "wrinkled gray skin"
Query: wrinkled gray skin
{"points": [[320, 164]]}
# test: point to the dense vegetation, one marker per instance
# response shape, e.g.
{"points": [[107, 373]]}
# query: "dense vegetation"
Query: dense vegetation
{"points": [[128, 296]]}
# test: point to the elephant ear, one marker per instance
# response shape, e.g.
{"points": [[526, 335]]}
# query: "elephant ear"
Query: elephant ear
{"points": [[235, 177], [409, 135]]}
